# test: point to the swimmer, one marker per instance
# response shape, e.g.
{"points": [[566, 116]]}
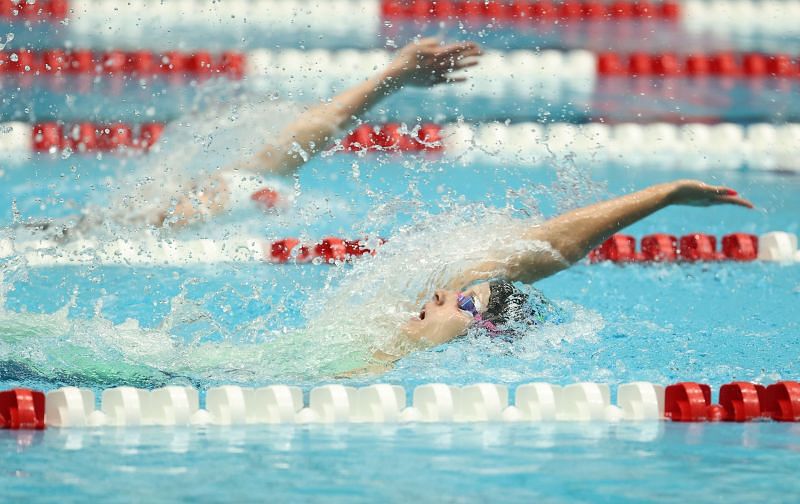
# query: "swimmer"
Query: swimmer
{"points": [[423, 63], [485, 297]]}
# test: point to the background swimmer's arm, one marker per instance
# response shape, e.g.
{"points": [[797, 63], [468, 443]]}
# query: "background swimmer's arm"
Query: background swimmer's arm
{"points": [[426, 63], [574, 234]]}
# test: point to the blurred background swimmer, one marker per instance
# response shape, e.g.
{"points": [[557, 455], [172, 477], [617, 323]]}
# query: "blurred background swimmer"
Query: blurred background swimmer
{"points": [[165, 193]]}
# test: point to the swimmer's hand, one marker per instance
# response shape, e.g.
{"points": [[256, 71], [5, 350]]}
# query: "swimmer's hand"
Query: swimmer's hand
{"points": [[697, 193], [427, 62]]}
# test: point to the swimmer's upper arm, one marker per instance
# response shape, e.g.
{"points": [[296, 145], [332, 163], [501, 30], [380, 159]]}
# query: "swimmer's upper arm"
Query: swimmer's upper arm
{"points": [[528, 266]]}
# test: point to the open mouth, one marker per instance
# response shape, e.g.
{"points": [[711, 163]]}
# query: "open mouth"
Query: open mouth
{"points": [[422, 315]]}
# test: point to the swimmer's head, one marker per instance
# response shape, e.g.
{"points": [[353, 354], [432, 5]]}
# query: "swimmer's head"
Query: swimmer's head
{"points": [[439, 321], [448, 315]]}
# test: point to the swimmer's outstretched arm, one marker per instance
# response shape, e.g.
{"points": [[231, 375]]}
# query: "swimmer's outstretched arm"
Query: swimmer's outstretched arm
{"points": [[423, 63], [573, 235]]}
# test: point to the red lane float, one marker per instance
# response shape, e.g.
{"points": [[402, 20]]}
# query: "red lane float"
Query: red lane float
{"points": [[726, 64], [527, 10], [47, 10], [21, 409], [393, 138], [699, 247], [782, 401], [143, 64], [687, 402], [740, 246], [619, 248], [742, 401], [89, 137], [331, 250], [667, 248], [738, 402], [659, 247]]}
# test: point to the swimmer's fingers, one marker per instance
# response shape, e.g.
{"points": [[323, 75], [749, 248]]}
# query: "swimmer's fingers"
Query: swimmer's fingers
{"points": [[461, 50], [727, 195], [465, 64], [426, 41], [450, 80], [735, 200], [697, 193]]}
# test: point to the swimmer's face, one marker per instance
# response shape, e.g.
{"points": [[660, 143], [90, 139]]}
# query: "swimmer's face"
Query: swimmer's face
{"points": [[440, 319]]}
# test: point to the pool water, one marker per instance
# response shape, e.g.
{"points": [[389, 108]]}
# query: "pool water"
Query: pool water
{"points": [[250, 324], [662, 323], [630, 462]]}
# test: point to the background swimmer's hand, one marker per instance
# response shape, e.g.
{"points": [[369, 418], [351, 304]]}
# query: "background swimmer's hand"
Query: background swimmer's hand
{"points": [[428, 62], [697, 193]]}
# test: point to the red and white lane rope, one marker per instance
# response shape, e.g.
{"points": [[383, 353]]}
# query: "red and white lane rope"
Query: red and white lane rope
{"points": [[500, 73], [365, 17], [72, 407], [775, 246], [651, 146], [721, 17]]}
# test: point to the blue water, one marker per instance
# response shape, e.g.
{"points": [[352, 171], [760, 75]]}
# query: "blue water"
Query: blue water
{"points": [[611, 98], [647, 462], [101, 326]]}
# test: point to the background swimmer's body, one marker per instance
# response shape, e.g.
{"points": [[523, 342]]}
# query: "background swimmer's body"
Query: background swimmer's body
{"points": [[566, 239], [176, 199]]}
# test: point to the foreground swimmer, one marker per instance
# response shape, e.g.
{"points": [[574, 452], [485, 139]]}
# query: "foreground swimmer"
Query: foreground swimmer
{"points": [[484, 297], [423, 63]]}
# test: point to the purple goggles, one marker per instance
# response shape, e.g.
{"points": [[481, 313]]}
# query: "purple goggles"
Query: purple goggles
{"points": [[467, 304]]}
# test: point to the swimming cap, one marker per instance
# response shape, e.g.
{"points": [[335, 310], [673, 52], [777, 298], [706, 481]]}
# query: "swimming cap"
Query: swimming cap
{"points": [[510, 306]]}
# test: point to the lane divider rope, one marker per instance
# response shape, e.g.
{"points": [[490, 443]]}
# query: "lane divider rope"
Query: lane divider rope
{"points": [[693, 146], [72, 407], [575, 69], [776, 246], [365, 17]]}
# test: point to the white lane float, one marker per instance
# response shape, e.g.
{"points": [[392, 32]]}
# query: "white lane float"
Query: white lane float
{"points": [[641, 401], [538, 402], [778, 246], [70, 407], [584, 402], [332, 403], [379, 403], [275, 404]]}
